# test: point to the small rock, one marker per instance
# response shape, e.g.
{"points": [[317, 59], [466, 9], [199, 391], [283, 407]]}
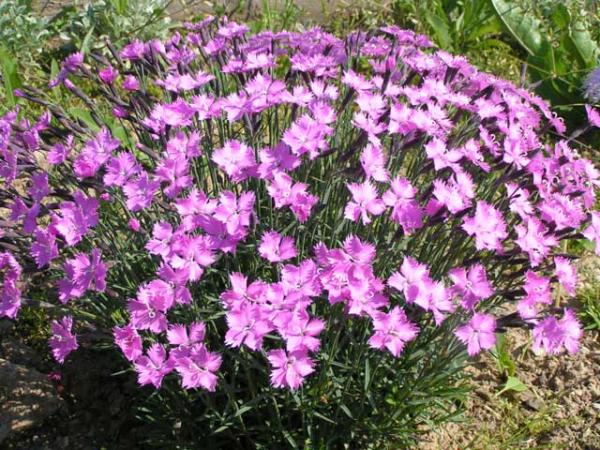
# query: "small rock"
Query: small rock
{"points": [[30, 398], [17, 353], [6, 327]]}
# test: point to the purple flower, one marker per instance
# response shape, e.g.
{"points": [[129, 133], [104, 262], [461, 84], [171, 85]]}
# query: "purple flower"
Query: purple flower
{"points": [[63, 341], [307, 136], [152, 367], [39, 186], [95, 153], [247, 325], [488, 227], [471, 285], [392, 331], [82, 274], [148, 310], [44, 248], [592, 231], [289, 369], [236, 159], [478, 334], [198, 367], [365, 201], [552, 334], [76, 218], [175, 172], [129, 341], [10, 292], [275, 248], [140, 191]]}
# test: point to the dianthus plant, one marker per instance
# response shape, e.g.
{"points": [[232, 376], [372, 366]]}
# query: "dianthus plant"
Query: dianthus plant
{"points": [[292, 237]]}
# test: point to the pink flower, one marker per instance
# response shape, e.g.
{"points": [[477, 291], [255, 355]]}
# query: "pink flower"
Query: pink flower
{"points": [[275, 248], [551, 334], [131, 83], [301, 331], [63, 341], [148, 310], [406, 210], [44, 248], [289, 369], [198, 367], [129, 341], [236, 159], [95, 153], [478, 334], [488, 227], [120, 169], [140, 192], [83, 273], [10, 292], [593, 116], [152, 367], [108, 75], [75, 218], [373, 161], [566, 274], [456, 194], [392, 331], [306, 136], [248, 326], [134, 224], [592, 231], [471, 285], [533, 240], [365, 201]]}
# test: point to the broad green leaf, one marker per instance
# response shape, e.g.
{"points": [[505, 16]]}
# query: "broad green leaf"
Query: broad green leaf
{"points": [[521, 26], [513, 384], [85, 116]]}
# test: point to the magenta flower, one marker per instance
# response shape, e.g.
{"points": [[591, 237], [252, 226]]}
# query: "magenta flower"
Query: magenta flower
{"points": [[75, 218], [406, 210], [178, 334], [131, 83], [471, 285], [44, 248], [301, 331], [456, 194], [108, 75], [571, 330], [39, 186], [566, 274], [289, 369], [198, 368], [392, 331], [236, 159], [373, 162], [287, 193], [488, 227], [247, 325], [534, 240], [537, 288], [129, 341], [365, 201], [148, 310], [478, 334], [83, 273], [140, 192], [551, 334], [63, 341], [60, 151], [120, 169], [95, 153], [235, 212], [175, 172], [301, 281], [152, 367], [10, 292], [592, 232], [306, 135], [593, 116], [275, 248]]}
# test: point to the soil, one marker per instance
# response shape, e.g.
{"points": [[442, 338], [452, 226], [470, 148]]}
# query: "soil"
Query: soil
{"points": [[559, 410]]}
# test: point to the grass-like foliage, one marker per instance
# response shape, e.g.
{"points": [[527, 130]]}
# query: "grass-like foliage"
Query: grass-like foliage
{"points": [[292, 239]]}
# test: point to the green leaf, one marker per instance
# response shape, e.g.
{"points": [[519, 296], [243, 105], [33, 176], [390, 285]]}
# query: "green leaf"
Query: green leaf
{"points": [[513, 384], [85, 116], [522, 27], [9, 76]]}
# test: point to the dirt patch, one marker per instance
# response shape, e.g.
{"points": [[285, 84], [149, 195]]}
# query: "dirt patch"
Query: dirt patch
{"points": [[559, 410]]}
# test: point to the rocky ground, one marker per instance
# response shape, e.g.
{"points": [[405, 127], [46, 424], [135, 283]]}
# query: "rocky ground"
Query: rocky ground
{"points": [[560, 409]]}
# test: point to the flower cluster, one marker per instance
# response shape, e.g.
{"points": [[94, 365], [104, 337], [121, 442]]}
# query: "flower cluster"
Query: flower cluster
{"points": [[403, 190]]}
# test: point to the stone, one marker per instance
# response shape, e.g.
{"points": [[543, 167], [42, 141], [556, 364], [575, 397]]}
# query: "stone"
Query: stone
{"points": [[27, 398]]}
